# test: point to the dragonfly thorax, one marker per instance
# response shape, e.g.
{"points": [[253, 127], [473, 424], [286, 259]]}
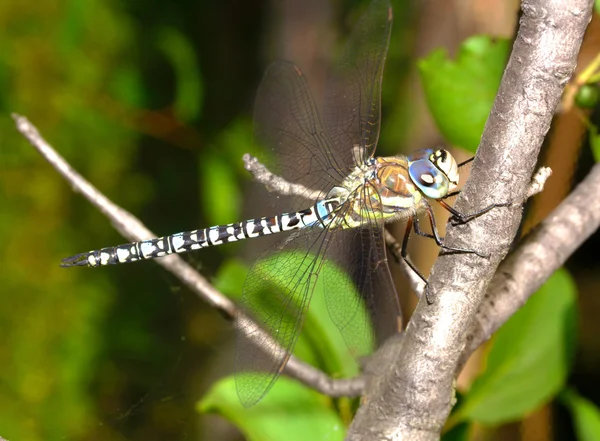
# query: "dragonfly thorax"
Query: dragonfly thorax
{"points": [[392, 186], [395, 187]]}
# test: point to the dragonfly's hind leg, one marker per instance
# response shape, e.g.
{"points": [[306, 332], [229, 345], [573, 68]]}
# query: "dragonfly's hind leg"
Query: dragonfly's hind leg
{"points": [[406, 258], [413, 222]]}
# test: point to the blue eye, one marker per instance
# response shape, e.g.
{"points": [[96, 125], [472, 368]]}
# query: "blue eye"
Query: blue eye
{"points": [[430, 180]]}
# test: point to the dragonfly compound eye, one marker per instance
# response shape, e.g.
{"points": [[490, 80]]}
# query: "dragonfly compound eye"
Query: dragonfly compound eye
{"points": [[432, 181], [445, 162]]}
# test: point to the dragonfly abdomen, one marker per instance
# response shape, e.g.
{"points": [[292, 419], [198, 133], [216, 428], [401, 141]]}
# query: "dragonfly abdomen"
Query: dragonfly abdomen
{"points": [[197, 239]]}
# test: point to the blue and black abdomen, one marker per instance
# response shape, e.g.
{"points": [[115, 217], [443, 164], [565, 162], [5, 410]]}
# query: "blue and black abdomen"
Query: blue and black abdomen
{"points": [[197, 239]]}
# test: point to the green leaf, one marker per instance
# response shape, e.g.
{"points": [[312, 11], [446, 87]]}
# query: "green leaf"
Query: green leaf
{"points": [[290, 412], [127, 85], [460, 432], [586, 415], [320, 342], [460, 93], [236, 140], [221, 170], [230, 278], [189, 92], [530, 358], [597, 6], [72, 29], [219, 189], [595, 142], [587, 96], [328, 349], [4, 85]]}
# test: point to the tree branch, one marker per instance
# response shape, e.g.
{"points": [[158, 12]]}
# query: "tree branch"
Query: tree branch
{"points": [[542, 252], [575, 219], [543, 55], [132, 229], [414, 397]]}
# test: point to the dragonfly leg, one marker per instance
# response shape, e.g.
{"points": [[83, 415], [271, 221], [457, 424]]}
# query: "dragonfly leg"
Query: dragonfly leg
{"points": [[451, 195], [440, 241], [460, 218], [412, 266], [466, 162], [421, 232]]}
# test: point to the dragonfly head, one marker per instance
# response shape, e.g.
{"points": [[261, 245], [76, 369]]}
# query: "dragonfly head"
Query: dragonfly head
{"points": [[435, 172]]}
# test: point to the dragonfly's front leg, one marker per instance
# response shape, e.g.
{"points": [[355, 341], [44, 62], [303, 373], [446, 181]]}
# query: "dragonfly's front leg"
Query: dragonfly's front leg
{"points": [[436, 236], [460, 218], [438, 240]]}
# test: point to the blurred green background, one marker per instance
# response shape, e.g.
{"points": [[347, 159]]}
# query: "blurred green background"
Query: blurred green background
{"points": [[152, 102]]}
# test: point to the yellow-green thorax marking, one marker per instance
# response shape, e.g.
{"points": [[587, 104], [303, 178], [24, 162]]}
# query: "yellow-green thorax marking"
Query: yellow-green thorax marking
{"points": [[390, 188]]}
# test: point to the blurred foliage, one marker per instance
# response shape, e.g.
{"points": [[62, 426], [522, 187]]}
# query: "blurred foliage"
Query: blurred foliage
{"points": [[586, 90], [187, 103], [460, 93], [151, 101], [56, 70], [588, 96], [595, 142], [221, 181], [118, 89], [290, 411], [529, 360], [459, 432], [586, 415]]}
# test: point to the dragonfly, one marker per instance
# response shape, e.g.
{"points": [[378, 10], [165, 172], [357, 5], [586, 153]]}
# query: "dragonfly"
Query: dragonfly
{"points": [[358, 193]]}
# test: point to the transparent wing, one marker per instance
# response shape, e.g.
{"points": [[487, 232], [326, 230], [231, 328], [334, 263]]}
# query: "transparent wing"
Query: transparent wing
{"points": [[366, 263], [279, 287], [276, 294], [352, 109], [286, 120]]}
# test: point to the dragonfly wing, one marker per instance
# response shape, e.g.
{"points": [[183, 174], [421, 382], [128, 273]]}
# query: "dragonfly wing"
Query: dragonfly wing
{"points": [[276, 295], [362, 255], [352, 109], [319, 156], [287, 121]]}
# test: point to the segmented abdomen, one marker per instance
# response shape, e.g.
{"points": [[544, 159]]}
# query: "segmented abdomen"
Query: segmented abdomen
{"points": [[197, 239]]}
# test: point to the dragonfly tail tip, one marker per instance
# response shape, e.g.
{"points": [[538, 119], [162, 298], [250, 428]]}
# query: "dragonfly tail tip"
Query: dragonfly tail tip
{"points": [[77, 260]]}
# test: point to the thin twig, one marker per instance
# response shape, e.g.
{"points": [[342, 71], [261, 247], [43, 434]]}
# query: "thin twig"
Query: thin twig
{"points": [[277, 184], [538, 181], [132, 229]]}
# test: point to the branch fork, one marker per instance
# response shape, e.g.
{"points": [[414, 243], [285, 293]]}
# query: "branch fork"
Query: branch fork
{"points": [[413, 397]]}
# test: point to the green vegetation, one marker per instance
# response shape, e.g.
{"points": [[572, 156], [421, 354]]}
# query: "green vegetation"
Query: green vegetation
{"points": [[151, 101]]}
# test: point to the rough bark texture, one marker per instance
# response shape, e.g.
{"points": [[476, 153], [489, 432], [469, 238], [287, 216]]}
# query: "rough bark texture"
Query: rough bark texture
{"points": [[413, 399], [542, 252]]}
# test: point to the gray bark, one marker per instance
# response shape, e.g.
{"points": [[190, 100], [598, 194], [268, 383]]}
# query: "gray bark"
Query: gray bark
{"points": [[414, 397]]}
